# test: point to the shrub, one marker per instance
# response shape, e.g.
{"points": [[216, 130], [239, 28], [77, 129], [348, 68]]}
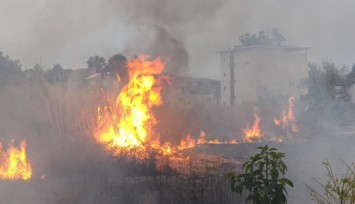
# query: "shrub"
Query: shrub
{"points": [[263, 178], [339, 190]]}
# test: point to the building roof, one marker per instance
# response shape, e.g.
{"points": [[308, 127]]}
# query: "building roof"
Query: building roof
{"points": [[196, 85], [285, 47]]}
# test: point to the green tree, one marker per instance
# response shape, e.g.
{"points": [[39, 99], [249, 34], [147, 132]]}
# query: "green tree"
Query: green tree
{"points": [[263, 178], [56, 74], [337, 189], [36, 74], [321, 82], [327, 98], [10, 70], [96, 63]]}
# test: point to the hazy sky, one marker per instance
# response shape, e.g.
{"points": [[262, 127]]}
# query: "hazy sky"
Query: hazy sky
{"points": [[68, 32]]}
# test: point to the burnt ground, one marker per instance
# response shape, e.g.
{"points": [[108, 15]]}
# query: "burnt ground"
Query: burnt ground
{"points": [[134, 183]]}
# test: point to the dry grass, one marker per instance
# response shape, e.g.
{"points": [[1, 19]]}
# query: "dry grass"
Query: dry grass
{"points": [[56, 120], [48, 109]]}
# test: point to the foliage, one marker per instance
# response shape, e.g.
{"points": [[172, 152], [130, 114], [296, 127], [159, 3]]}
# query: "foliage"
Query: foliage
{"points": [[321, 82], [326, 99], [339, 190], [10, 70], [263, 178], [57, 74], [97, 63]]}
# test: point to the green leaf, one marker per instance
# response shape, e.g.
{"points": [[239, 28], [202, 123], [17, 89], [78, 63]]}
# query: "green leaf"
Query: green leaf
{"points": [[286, 181], [244, 164], [260, 147], [262, 193], [260, 177], [274, 174], [249, 198], [229, 175]]}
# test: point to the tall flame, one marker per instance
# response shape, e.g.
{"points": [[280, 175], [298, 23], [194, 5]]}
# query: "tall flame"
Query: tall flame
{"points": [[254, 132], [287, 120], [13, 162], [126, 126]]}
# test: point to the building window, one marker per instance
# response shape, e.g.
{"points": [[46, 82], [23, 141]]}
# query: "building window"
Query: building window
{"points": [[224, 88], [224, 74]]}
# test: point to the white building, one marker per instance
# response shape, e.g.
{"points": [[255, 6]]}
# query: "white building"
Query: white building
{"points": [[190, 91], [262, 66]]}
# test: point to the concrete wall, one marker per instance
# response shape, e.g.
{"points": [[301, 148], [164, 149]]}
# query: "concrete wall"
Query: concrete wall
{"points": [[263, 71], [225, 78], [351, 91]]}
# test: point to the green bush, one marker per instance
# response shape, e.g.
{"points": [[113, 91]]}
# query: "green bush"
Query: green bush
{"points": [[337, 189], [263, 178]]}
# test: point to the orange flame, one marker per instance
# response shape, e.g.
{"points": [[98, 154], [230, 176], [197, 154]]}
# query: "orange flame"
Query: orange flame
{"points": [[253, 133], [13, 162], [126, 126], [202, 140], [288, 120], [186, 143]]}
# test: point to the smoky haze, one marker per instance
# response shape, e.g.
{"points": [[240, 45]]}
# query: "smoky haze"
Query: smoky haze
{"points": [[186, 33]]}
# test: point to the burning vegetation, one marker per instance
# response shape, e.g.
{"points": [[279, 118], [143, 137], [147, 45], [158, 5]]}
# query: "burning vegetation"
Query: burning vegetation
{"points": [[254, 133], [138, 129], [13, 162], [287, 120], [126, 126]]}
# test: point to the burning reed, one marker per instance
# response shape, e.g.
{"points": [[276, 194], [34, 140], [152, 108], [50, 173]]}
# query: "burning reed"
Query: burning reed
{"points": [[13, 162]]}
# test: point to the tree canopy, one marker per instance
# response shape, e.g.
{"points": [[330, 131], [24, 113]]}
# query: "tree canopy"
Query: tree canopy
{"points": [[10, 70]]}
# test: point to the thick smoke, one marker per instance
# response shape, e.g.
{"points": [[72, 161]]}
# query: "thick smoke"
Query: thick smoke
{"points": [[169, 23], [67, 32], [171, 49], [185, 33]]}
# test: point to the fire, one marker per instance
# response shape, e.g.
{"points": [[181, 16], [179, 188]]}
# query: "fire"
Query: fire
{"points": [[13, 162], [202, 140], [186, 143], [253, 133], [126, 127], [288, 120]]}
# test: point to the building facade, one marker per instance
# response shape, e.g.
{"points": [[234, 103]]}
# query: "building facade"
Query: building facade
{"points": [[191, 91], [262, 67]]}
